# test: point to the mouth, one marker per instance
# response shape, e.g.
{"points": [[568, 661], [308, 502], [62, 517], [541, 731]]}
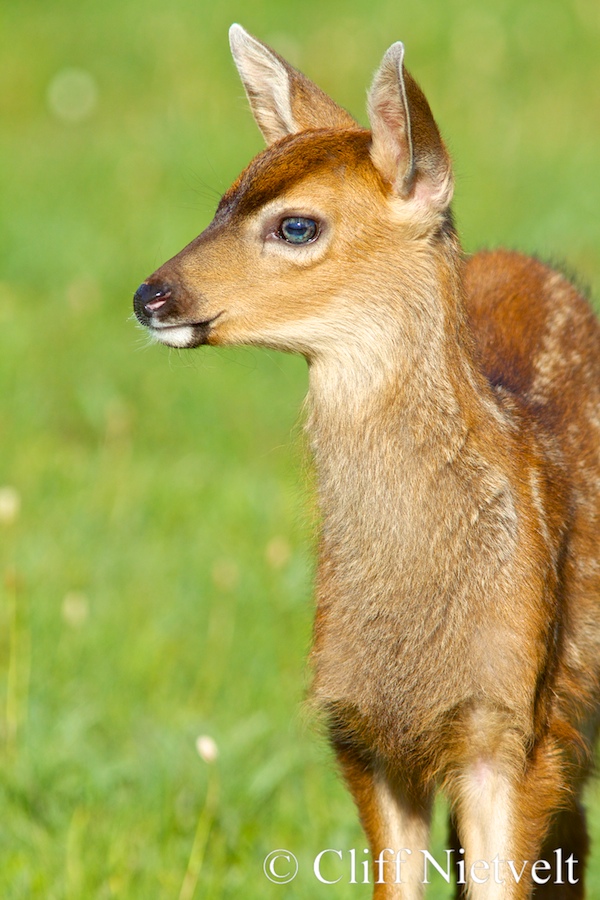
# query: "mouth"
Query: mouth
{"points": [[185, 335]]}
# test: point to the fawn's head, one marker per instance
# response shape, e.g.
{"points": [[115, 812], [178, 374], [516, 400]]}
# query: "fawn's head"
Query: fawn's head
{"points": [[306, 242]]}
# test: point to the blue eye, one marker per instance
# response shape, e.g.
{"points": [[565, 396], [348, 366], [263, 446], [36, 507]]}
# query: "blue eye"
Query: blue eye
{"points": [[297, 230]]}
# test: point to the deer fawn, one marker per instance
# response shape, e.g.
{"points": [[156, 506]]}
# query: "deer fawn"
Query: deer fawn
{"points": [[454, 417]]}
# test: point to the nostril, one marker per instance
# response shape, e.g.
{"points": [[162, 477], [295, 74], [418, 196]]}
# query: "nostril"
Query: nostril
{"points": [[160, 300], [149, 298]]}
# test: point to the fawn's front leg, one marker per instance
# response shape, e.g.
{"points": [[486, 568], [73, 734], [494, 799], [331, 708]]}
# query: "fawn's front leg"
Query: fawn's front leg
{"points": [[396, 824], [485, 813], [503, 815]]}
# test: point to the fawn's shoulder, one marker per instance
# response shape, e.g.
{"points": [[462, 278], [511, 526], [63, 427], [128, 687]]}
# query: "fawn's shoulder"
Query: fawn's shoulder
{"points": [[535, 332]]}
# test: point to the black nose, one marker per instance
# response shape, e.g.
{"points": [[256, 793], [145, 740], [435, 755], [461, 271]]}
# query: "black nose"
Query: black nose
{"points": [[149, 299]]}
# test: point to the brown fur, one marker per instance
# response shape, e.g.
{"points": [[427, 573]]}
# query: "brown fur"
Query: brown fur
{"points": [[290, 161], [454, 417]]}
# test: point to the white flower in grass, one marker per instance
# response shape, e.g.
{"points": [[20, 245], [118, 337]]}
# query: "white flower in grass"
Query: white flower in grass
{"points": [[10, 505], [72, 95], [75, 609], [207, 748]]}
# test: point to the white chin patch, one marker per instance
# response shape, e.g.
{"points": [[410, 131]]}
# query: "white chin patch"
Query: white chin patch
{"points": [[179, 336]]}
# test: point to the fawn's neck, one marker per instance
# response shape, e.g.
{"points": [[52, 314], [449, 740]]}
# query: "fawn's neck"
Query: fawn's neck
{"points": [[389, 417]]}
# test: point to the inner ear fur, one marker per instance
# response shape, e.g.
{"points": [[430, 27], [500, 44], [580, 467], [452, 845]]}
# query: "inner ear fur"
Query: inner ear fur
{"points": [[406, 145], [282, 99]]}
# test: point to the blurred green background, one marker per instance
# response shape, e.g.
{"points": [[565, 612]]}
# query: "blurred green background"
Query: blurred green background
{"points": [[156, 546]]}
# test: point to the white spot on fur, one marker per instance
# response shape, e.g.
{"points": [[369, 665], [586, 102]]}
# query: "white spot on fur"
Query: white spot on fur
{"points": [[536, 497], [552, 358]]}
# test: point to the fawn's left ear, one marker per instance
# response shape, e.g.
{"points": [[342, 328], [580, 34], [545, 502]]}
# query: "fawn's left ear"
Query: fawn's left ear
{"points": [[406, 145], [282, 99]]}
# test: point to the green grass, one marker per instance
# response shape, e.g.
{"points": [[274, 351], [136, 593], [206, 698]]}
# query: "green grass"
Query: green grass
{"points": [[156, 583]]}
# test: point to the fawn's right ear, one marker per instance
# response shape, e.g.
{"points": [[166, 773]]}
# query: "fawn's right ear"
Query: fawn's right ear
{"points": [[406, 145], [282, 99]]}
